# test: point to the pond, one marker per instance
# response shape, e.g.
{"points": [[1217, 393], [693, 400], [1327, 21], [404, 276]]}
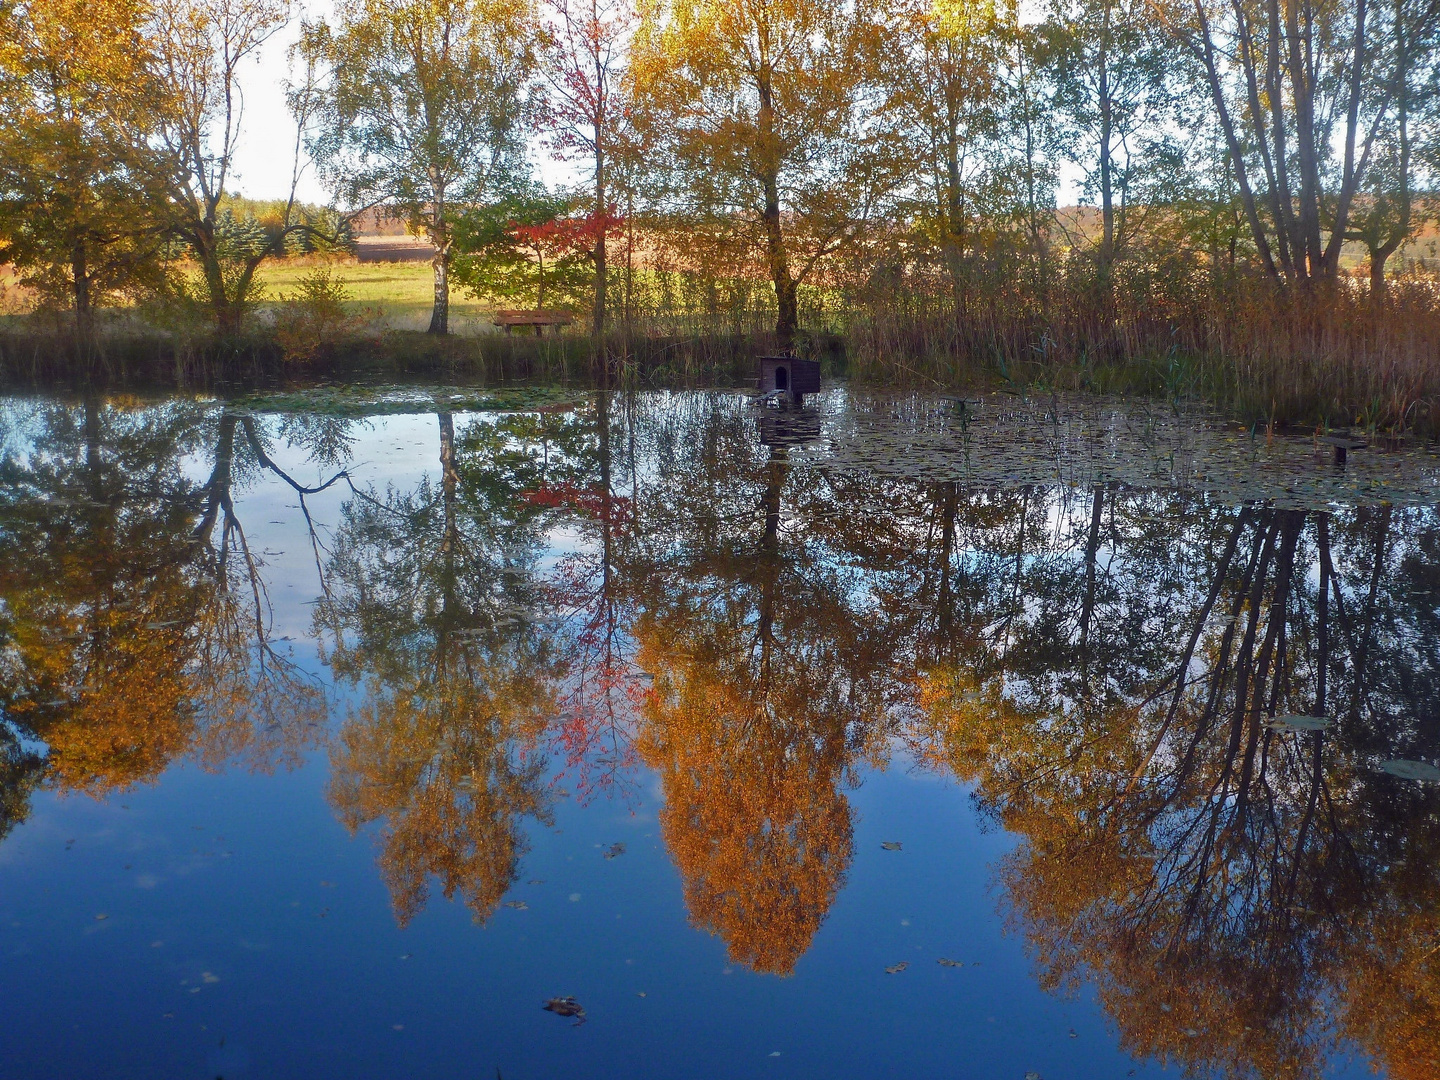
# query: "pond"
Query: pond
{"points": [[344, 731]]}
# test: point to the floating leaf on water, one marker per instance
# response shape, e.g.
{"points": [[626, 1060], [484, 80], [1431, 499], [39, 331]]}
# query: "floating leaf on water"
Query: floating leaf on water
{"points": [[1032, 1075], [614, 851], [891, 845], [895, 969], [1298, 723], [535, 881], [101, 917], [518, 905], [1411, 770], [566, 1006], [639, 993], [945, 962]]}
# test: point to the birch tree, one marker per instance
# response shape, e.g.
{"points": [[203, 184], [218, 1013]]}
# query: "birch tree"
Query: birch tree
{"points": [[421, 110]]}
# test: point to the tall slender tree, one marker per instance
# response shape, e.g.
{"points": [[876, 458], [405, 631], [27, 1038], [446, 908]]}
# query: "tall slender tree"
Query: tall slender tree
{"points": [[585, 52], [421, 109]]}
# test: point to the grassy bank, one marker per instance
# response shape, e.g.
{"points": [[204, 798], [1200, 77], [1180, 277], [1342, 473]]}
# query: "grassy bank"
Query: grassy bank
{"points": [[1328, 358]]}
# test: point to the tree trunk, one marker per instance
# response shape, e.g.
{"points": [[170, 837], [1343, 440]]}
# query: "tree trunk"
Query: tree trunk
{"points": [[954, 209], [787, 318], [1107, 181], [440, 239], [1378, 258], [440, 313], [80, 272], [601, 221]]}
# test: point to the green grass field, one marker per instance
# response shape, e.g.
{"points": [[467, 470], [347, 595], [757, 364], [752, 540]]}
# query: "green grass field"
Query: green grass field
{"points": [[401, 292]]}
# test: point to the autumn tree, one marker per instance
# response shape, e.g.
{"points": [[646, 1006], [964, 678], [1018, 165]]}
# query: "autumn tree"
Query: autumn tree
{"points": [[585, 48], [201, 47], [1295, 94], [762, 108], [939, 65], [83, 205], [420, 111], [1108, 62], [1406, 151]]}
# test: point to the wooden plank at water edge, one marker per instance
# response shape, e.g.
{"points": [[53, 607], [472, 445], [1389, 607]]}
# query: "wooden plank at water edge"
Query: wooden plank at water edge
{"points": [[539, 319]]}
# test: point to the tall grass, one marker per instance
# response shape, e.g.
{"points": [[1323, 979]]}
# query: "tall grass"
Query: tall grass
{"points": [[1327, 356], [1165, 325]]}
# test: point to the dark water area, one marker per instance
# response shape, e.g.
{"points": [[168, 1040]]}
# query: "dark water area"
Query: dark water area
{"points": [[898, 735]]}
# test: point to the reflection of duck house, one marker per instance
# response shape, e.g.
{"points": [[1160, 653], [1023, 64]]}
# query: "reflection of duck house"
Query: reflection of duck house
{"points": [[789, 377], [788, 427]]}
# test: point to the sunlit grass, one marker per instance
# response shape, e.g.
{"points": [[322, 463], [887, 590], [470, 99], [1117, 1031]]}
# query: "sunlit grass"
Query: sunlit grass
{"points": [[402, 293]]}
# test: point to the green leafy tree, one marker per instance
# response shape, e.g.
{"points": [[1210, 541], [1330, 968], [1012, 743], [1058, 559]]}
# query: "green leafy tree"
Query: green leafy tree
{"points": [[420, 109], [521, 248]]}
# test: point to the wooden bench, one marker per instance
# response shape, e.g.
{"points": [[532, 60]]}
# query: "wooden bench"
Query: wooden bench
{"points": [[538, 319]]}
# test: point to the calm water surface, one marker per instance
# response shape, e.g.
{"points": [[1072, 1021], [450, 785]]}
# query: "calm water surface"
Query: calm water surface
{"points": [[897, 736]]}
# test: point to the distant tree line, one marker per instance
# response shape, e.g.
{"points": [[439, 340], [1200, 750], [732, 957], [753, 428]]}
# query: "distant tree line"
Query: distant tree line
{"points": [[842, 154]]}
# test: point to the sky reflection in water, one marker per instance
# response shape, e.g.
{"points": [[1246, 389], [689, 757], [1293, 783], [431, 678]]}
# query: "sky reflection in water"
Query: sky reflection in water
{"points": [[650, 686]]}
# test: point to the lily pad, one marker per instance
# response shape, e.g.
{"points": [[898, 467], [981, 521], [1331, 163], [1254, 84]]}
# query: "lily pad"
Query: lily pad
{"points": [[1298, 723], [1411, 770]]}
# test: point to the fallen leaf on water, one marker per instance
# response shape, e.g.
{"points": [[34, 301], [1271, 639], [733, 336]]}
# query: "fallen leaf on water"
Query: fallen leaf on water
{"points": [[891, 845], [1411, 770], [639, 993], [566, 1006], [101, 917], [895, 969], [535, 881], [614, 851], [950, 963], [518, 905]]}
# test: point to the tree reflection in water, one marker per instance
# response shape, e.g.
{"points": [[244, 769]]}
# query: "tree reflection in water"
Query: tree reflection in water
{"points": [[1102, 666], [1217, 878], [135, 623]]}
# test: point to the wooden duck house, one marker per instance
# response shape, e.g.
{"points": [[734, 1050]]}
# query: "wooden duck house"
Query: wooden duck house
{"points": [[789, 378]]}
